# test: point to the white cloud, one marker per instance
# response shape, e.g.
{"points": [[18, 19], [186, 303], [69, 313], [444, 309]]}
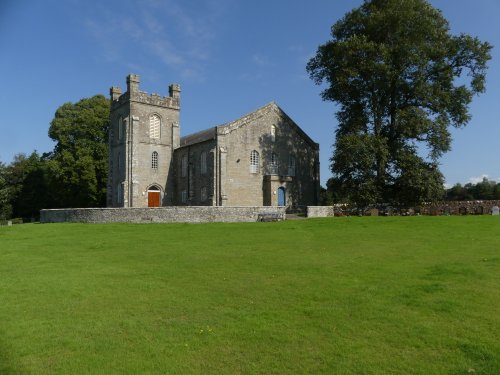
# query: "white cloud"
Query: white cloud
{"points": [[475, 180]]}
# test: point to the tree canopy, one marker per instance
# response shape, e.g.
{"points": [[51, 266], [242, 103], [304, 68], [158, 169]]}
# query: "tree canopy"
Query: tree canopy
{"points": [[400, 80], [79, 162]]}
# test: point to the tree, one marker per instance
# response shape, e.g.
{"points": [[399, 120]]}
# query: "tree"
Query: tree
{"points": [[401, 80], [5, 194], [79, 162], [28, 181]]}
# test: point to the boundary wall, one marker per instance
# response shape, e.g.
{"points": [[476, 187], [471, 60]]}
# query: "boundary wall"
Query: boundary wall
{"points": [[174, 214], [320, 211]]}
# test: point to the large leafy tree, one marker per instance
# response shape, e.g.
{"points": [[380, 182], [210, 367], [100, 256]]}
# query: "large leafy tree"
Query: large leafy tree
{"points": [[400, 80], [78, 164]]}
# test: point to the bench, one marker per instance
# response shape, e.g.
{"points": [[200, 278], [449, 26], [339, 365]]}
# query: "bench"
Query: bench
{"points": [[270, 217]]}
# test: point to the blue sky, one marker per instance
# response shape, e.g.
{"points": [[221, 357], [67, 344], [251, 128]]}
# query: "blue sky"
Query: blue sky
{"points": [[230, 57]]}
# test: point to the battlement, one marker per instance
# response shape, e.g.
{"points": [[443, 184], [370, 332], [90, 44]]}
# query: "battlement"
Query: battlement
{"points": [[134, 94]]}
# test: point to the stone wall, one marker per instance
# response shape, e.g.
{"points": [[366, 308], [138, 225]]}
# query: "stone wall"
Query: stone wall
{"points": [[478, 207], [320, 211], [189, 214]]}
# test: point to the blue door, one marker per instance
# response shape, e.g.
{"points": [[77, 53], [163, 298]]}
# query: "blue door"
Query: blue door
{"points": [[281, 196]]}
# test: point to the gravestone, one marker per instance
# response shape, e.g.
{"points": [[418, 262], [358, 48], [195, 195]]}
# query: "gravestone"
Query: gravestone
{"points": [[495, 210], [373, 212], [9, 223]]}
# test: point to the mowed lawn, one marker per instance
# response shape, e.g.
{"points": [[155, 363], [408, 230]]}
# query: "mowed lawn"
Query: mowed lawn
{"points": [[382, 295]]}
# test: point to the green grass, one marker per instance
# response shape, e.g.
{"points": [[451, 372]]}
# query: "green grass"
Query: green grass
{"points": [[416, 295]]}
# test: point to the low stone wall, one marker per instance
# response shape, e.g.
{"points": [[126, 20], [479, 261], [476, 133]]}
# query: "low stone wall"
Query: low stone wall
{"points": [[320, 211], [459, 208], [189, 214]]}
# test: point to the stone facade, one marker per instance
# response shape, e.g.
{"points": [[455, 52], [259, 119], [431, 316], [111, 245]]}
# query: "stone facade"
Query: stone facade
{"points": [[261, 159], [141, 125]]}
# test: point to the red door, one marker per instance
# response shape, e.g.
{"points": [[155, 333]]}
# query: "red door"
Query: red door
{"points": [[153, 199]]}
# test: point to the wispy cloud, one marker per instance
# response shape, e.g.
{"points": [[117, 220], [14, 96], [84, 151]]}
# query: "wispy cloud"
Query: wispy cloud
{"points": [[261, 60], [180, 37]]}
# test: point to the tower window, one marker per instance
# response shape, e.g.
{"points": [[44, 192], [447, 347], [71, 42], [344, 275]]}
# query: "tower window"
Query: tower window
{"points": [[154, 160], [254, 162], [273, 133], [154, 127]]}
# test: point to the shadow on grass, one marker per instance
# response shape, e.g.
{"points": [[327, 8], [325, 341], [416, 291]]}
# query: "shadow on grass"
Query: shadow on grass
{"points": [[7, 365]]}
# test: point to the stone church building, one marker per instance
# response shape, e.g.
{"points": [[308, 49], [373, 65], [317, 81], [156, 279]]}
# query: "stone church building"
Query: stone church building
{"points": [[261, 159]]}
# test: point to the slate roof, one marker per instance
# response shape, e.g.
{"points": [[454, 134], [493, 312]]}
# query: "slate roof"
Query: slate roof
{"points": [[202, 136]]}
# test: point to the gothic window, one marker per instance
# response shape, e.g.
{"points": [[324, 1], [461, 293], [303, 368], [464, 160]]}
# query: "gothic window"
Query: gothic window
{"points": [[203, 163], [154, 127], [254, 162], [203, 194], [291, 166], [119, 193], [120, 128], [274, 163], [184, 166], [184, 196], [154, 160], [273, 133]]}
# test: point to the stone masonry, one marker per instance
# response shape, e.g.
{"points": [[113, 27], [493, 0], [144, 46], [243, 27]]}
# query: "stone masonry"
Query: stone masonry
{"points": [[261, 159]]}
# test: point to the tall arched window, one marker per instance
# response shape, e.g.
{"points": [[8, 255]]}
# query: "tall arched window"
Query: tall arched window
{"points": [[254, 162], [154, 160], [120, 128], [273, 133], [291, 166], [274, 163], [119, 193], [154, 127], [203, 163], [203, 194], [184, 166]]}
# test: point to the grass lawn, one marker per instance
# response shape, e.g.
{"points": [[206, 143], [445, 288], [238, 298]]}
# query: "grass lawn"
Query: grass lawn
{"points": [[382, 295]]}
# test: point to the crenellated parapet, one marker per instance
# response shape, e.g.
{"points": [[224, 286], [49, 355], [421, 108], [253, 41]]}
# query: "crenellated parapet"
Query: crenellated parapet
{"points": [[135, 95]]}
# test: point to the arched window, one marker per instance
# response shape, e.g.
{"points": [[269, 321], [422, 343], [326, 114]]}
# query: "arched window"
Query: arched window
{"points": [[254, 162], [154, 127], [184, 196], [203, 194], [273, 133], [291, 166], [184, 166], [274, 163], [203, 163], [120, 128], [154, 160], [119, 193]]}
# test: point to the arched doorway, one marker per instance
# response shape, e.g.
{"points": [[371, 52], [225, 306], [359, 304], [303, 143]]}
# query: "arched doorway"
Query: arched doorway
{"points": [[281, 196], [154, 196]]}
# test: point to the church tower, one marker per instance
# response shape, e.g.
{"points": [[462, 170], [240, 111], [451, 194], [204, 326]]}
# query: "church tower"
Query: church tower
{"points": [[143, 133]]}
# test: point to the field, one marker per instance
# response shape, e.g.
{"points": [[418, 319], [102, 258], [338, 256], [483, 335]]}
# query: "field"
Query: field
{"points": [[382, 295]]}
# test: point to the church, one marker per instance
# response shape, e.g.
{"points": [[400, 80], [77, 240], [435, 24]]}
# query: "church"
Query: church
{"points": [[261, 159]]}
